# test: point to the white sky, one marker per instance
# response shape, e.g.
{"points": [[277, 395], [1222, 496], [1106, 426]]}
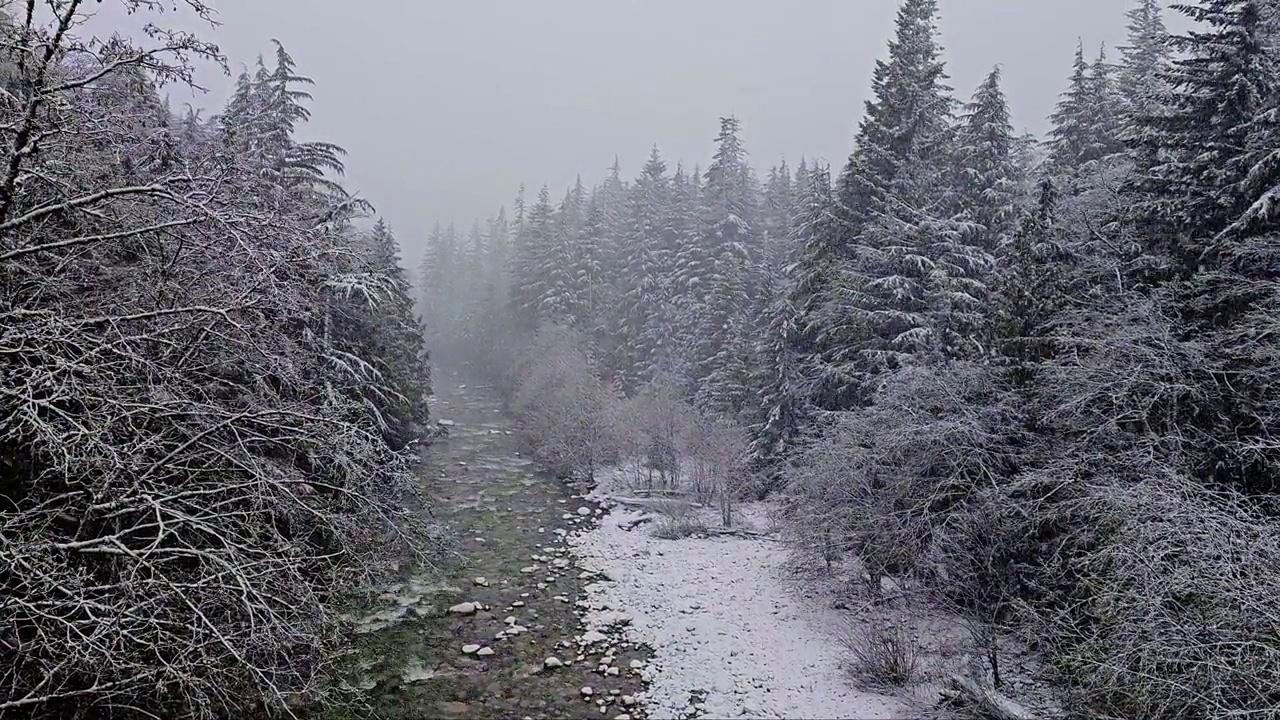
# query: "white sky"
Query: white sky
{"points": [[446, 106]]}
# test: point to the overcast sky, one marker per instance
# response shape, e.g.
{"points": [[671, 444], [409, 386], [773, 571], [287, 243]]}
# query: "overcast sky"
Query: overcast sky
{"points": [[446, 106]]}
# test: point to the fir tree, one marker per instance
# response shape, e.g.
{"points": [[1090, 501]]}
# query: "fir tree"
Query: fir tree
{"points": [[985, 188], [724, 288], [1144, 64], [637, 264], [1070, 137], [874, 305]]}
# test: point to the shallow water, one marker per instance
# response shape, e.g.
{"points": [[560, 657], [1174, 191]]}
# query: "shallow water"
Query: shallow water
{"points": [[505, 513]]}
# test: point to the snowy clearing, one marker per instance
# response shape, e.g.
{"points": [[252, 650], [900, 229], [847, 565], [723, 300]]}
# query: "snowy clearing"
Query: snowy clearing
{"points": [[722, 625]]}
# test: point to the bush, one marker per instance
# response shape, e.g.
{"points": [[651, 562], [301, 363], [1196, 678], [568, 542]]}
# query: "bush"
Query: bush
{"points": [[561, 405], [883, 655], [1179, 614], [881, 482], [194, 467]]}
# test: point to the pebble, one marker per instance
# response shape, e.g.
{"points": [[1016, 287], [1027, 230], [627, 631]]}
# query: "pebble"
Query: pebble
{"points": [[466, 608], [470, 649], [552, 662], [587, 691], [485, 651]]}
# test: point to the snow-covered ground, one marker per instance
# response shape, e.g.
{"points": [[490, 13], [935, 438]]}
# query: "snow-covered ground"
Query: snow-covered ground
{"points": [[721, 621]]}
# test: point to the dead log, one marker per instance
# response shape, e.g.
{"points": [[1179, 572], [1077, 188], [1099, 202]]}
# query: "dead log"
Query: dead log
{"points": [[633, 524], [989, 703], [736, 532], [651, 503]]}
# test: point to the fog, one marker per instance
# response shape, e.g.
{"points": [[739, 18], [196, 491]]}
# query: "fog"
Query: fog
{"points": [[978, 427], [447, 107]]}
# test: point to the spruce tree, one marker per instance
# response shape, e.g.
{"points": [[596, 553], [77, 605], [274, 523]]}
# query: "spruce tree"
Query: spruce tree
{"points": [[636, 264], [723, 293], [1144, 63], [985, 190], [874, 300]]}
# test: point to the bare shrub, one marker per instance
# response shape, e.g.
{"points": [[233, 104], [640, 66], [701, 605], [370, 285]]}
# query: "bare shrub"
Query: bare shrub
{"points": [[193, 476], [656, 426], [880, 482], [882, 654], [562, 407], [981, 558], [1180, 606], [718, 456], [671, 528]]}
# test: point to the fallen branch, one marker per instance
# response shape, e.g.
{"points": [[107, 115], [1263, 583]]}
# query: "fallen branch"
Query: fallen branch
{"points": [[736, 532], [633, 524], [988, 702], [652, 503]]}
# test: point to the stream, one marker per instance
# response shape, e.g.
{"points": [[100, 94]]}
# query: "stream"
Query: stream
{"points": [[511, 521]]}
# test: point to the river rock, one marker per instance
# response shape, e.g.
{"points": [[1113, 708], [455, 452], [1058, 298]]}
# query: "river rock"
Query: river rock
{"points": [[466, 608], [552, 662], [584, 511], [470, 649], [484, 651]]}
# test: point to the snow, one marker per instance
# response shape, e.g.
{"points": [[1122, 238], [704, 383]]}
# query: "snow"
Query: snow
{"points": [[720, 620]]}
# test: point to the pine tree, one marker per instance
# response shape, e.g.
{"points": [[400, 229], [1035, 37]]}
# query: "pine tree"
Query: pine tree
{"points": [[873, 300], [393, 340], [560, 297], [985, 191], [1106, 127], [436, 273], [611, 201], [1070, 138], [636, 264], [777, 408], [533, 272], [1030, 287], [776, 220], [1144, 64], [723, 296], [679, 271]]}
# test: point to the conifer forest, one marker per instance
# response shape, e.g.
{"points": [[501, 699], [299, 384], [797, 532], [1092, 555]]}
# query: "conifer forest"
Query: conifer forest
{"points": [[972, 424]]}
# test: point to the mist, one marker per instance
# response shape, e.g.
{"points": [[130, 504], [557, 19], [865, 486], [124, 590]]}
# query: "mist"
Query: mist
{"points": [[447, 107], [392, 360]]}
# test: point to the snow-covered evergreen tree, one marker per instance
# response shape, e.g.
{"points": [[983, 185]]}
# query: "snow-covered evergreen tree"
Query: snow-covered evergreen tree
{"points": [[634, 264], [874, 309], [986, 193], [722, 295], [1140, 82], [1086, 123]]}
